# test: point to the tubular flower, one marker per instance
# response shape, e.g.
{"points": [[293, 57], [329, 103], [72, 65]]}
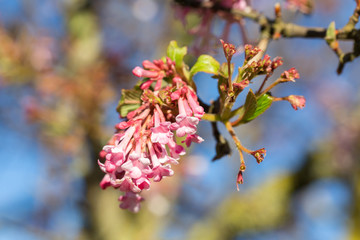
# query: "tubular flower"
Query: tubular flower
{"points": [[144, 146], [296, 101]]}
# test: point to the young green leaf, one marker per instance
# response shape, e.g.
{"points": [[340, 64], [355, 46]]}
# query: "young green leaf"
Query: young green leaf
{"points": [[249, 106], [129, 101], [254, 107], [205, 63], [263, 103], [176, 53]]}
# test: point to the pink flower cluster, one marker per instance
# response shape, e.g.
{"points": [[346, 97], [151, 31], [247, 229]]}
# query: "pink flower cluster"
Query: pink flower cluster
{"points": [[235, 4], [144, 146], [304, 6]]}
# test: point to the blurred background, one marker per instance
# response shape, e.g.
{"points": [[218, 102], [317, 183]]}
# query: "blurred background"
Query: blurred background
{"points": [[63, 64]]}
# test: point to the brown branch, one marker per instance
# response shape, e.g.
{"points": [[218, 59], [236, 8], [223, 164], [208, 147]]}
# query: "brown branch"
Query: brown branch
{"points": [[274, 28]]}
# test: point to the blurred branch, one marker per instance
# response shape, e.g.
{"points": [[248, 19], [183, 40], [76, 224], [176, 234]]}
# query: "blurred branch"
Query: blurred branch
{"points": [[39, 232], [247, 212], [276, 28]]}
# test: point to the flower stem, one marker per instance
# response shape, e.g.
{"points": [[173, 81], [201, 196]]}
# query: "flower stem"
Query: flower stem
{"points": [[238, 144], [229, 78], [263, 84], [269, 87], [211, 117]]}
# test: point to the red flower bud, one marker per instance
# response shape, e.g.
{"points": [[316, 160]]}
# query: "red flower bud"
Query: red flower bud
{"points": [[239, 179], [149, 65], [229, 49], [259, 154], [296, 101], [139, 72], [241, 85], [250, 52], [290, 75]]}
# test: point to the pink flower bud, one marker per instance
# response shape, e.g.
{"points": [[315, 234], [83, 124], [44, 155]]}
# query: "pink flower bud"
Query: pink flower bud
{"points": [[149, 65], [296, 101], [146, 85], [277, 62], [139, 72], [290, 75], [131, 201], [250, 52], [229, 49], [105, 182], [259, 154], [122, 125], [102, 154], [240, 5], [241, 85], [239, 179]]}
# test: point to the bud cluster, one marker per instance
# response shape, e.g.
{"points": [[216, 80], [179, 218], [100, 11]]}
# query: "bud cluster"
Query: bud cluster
{"points": [[253, 66], [229, 50], [290, 75]]}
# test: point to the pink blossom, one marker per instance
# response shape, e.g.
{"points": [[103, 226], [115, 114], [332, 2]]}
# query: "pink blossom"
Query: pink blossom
{"points": [[143, 183], [297, 101], [175, 150], [192, 138], [105, 182], [304, 6], [161, 132], [131, 201], [133, 171], [240, 5], [113, 158], [136, 153], [163, 155], [109, 166], [196, 108], [126, 184], [236, 4], [158, 171], [144, 146], [161, 171], [144, 160], [116, 153], [184, 125]]}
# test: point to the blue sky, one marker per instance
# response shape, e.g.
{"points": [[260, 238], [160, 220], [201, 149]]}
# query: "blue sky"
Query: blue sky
{"points": [[23, 169]]}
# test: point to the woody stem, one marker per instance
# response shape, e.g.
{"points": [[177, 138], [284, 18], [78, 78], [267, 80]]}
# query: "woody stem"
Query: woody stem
{"points": [[237, 142]]}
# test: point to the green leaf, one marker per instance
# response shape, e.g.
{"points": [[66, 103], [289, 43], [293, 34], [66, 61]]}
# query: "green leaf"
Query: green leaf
{"points": [[205, 63], [249, 106], [129, 101], [261, 105], [331, 33], [176, 53]]}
